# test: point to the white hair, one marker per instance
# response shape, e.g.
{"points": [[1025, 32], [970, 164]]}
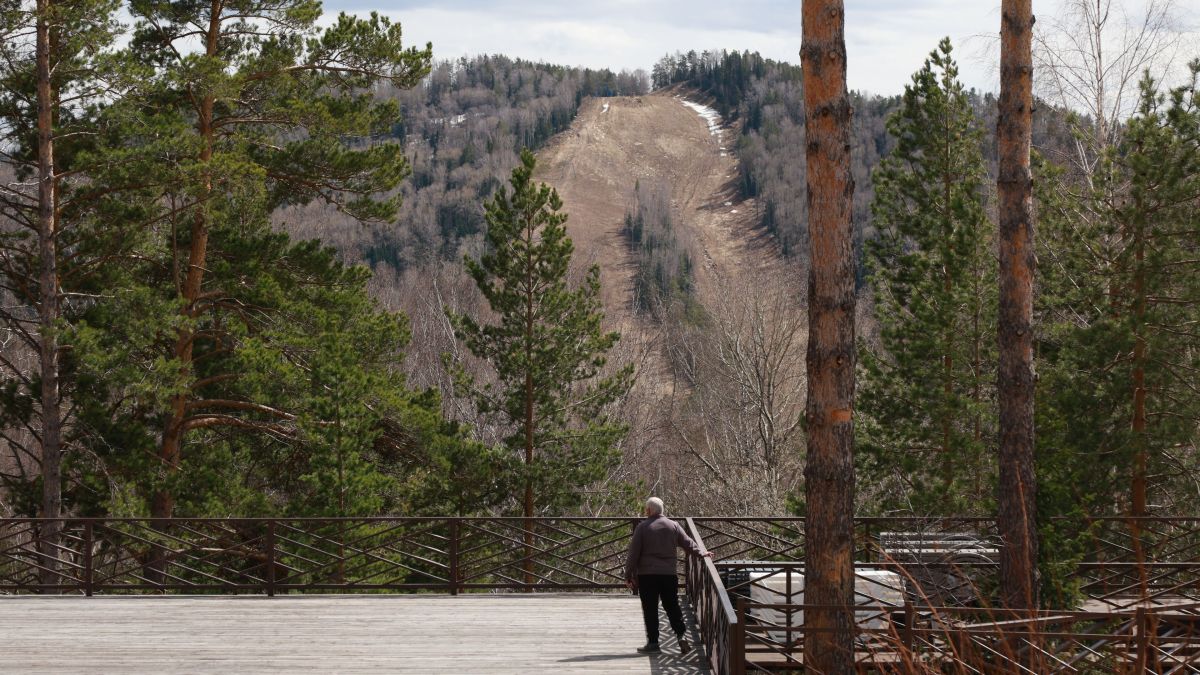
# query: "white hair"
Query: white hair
{"points": [[655, 506]]}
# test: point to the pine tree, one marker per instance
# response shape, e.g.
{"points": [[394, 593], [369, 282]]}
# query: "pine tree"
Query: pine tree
{"points": [[547, 348], [51, 80], [1121, 302], [270, 111], [927, 396]]}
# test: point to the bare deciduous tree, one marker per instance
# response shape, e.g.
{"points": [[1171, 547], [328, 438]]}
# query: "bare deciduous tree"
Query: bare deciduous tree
{"points": [[1090, 55], [738, 410]]}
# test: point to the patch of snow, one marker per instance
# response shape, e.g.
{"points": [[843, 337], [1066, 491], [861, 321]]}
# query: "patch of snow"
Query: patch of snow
{"points": [[733, 211], [604, 109], [712, 117], [728, 203]]}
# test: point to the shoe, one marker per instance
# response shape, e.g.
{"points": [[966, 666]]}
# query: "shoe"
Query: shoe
{"points": [[650, 648], [684, 645]]}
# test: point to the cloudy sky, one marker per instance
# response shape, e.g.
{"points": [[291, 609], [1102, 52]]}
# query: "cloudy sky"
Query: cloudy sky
{"points": [[887, 40]]}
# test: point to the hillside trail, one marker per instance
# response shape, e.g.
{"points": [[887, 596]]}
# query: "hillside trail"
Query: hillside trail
{"points": [[615, 142]]}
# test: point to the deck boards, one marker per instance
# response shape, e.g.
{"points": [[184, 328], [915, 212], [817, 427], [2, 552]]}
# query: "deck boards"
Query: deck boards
{"points": [[476, 633]]}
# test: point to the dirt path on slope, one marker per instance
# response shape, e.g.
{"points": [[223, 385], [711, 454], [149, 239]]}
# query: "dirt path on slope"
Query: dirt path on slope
{"points": [[615, 142]]}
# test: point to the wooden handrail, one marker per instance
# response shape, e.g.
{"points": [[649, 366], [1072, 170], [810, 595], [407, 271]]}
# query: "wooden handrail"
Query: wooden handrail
{"points": [[711, 569]]}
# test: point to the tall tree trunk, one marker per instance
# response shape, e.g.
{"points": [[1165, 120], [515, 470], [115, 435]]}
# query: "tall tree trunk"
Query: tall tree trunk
{"points": [[528, 501], [163, 503], [829, 472], [977, 378], [1137, 506], [529, 337], [1017, 490], [948, 338], [1137, 493], [48, 302]]}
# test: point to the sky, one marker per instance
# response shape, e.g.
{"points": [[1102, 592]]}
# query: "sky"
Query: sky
{"points": [[887, 40]]}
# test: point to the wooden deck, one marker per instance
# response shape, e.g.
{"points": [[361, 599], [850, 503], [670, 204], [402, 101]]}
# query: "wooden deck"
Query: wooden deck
{"points": [[477, 633]]}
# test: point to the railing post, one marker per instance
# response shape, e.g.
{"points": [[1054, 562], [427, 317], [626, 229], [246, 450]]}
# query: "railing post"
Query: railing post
{"points": [[453, 571], [737, 640], [1147, 630], [909, 617], [270, 544], [88, 578], [1139, 623]]}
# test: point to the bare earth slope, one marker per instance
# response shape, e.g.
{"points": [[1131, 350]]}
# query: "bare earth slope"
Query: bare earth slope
{"points": [[613, 143]]}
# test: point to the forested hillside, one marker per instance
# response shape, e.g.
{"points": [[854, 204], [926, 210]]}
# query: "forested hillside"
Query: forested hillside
{"points": [[462, 130], [763, 99]]}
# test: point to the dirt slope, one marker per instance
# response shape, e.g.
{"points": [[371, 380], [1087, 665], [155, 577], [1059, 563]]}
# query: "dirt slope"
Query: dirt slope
{"points": [[615, 142]]}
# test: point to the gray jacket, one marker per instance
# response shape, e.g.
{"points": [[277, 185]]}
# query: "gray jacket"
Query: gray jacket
{"points": [[652, 550]]}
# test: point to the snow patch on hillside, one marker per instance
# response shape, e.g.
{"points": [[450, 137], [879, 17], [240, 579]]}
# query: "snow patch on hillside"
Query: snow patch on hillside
{"points": [[712, 117], [605, 109]]}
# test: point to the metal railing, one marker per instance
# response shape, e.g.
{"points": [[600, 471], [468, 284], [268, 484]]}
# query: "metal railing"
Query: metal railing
{"points": [[720, 626], [1142, 575], [971, 640], [277, 555]]}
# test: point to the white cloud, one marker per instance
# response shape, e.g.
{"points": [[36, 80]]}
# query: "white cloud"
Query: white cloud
{"points": [[887, 40]]}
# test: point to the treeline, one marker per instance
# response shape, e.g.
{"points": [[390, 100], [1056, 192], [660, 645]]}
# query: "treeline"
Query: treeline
{"points": [[462, 130], [764, 98]]}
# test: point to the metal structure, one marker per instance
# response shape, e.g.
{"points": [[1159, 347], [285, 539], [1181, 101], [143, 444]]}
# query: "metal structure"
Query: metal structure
{"points": [[1141, 578], [344, 555]]}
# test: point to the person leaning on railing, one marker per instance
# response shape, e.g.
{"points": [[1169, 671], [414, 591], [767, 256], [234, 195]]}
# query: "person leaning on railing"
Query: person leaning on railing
{"points": [[650, 572]]}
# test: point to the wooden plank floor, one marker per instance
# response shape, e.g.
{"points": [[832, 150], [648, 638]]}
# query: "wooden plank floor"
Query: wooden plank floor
{"points": [[483, 633]]}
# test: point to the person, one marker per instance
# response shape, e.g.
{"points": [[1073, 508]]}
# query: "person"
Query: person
{"points": [[650, 572]]}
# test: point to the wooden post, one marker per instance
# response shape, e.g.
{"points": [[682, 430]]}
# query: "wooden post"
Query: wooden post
{"points": [[907, 635], [737, 640], [1143, 643]]}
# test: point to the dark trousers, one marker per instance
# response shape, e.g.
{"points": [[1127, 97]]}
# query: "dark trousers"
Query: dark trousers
{"points": [[652, 587]]}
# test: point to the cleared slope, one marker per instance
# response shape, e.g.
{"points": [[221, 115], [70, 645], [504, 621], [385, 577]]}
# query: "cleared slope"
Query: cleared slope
{"points": [[613, 143]]}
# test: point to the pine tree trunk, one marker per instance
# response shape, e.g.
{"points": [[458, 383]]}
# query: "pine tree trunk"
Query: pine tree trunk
{"points": [[829, 472], [1137, 507], [1017, 489], [1137, 496], [528, 501], [529, 430], [163, 503], [948, 342], [48, 307]]}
